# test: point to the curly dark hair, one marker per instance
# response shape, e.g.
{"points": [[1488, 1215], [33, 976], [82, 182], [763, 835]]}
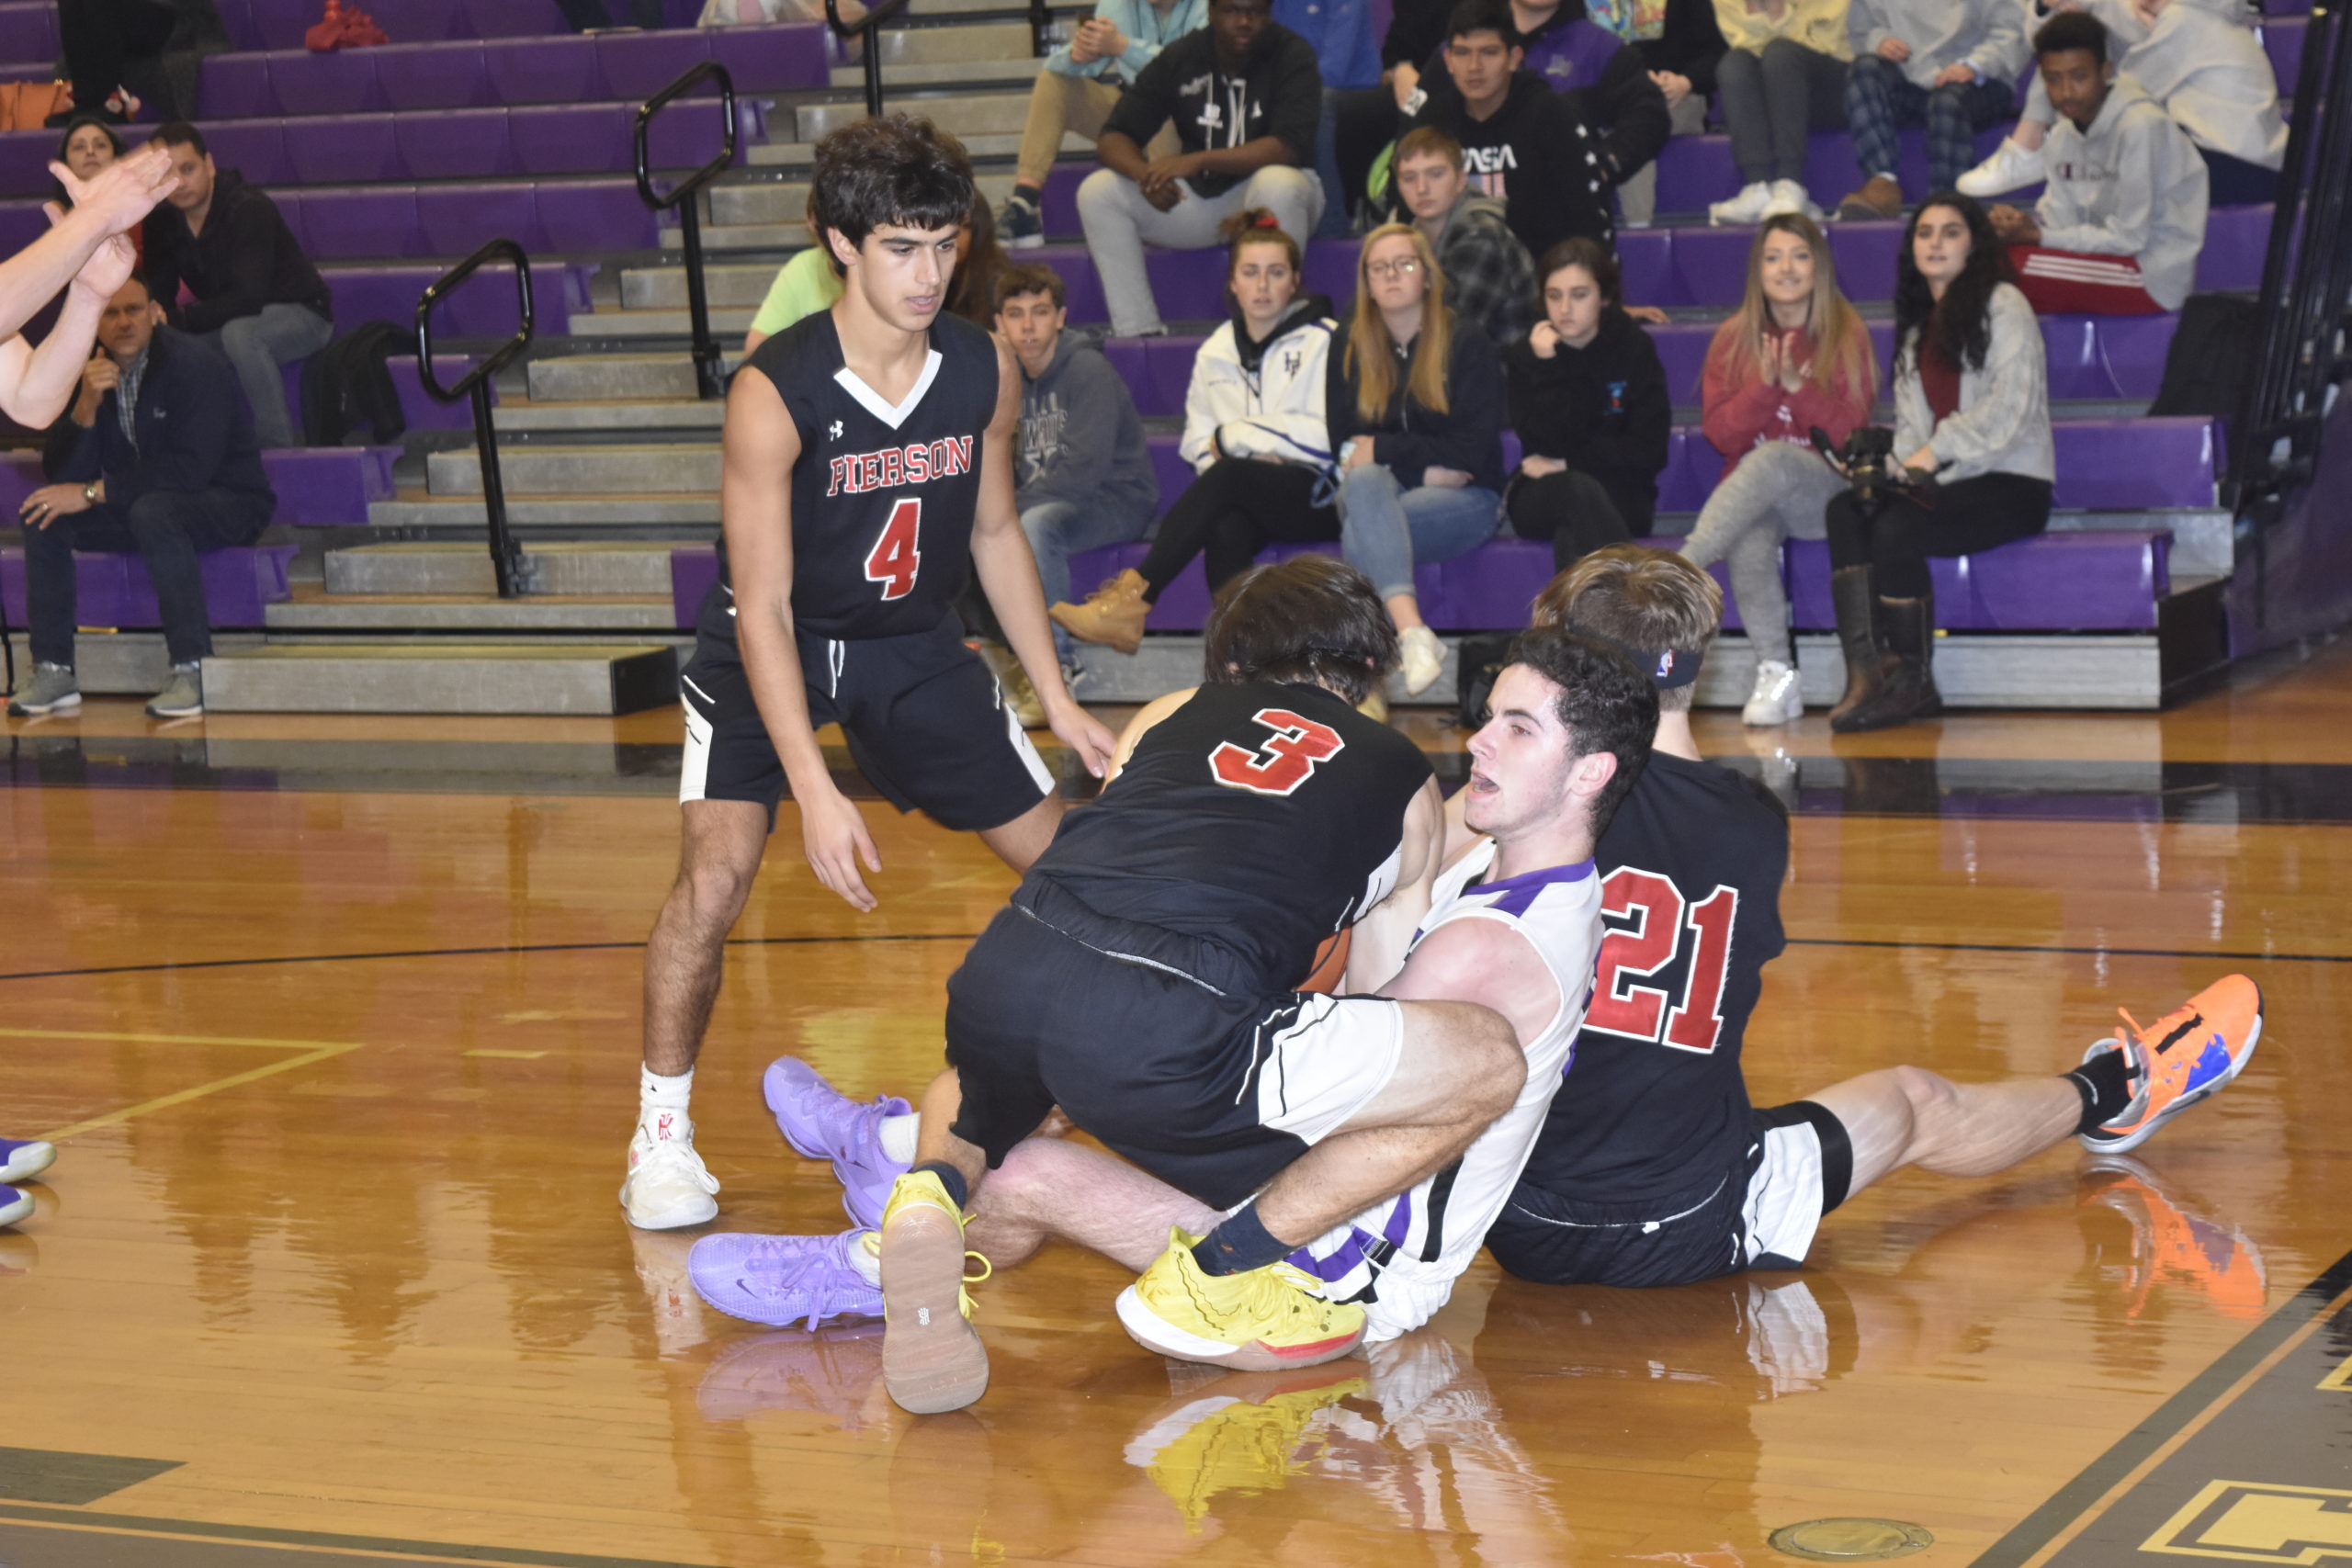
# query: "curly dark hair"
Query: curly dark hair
{"points": [[1310, 619], [894, 168], [1606, 704], [1961, 324]]}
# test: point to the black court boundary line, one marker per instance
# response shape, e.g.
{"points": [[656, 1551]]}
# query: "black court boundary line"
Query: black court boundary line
{"points": [[2071, 1501], [974, 936], [294, 1540]]}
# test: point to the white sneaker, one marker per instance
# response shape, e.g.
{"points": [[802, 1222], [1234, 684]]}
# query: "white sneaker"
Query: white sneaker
{"points": [[1778, 697], [1424, 659], [1748, 207], [1788, 197], [2009, 167], [667, 1186]]}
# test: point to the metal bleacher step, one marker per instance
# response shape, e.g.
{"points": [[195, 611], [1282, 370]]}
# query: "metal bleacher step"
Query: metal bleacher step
{"points": [[551, 422], [472, 613], [649, 468], [965, 114], [989, 145], [726, 285], [947, 73], [729, 323], [787, 201], [444, 678], [958, 43], [552, 570], [415, 511]]}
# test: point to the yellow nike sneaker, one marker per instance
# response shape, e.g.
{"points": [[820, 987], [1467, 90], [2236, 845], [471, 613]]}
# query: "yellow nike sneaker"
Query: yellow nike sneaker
{"points": [[932, 1356], [1263, 1320]]}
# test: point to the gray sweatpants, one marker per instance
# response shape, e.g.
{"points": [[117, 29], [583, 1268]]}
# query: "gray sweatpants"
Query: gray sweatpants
{"points": [[1780, 490]]}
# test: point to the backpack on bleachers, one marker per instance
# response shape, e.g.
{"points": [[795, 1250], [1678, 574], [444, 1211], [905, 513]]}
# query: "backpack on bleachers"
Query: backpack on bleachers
{"points": [[27, 106], [2211, 358], [346, 385]]}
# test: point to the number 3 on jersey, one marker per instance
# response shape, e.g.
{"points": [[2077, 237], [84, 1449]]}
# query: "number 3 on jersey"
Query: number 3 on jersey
{"points": [[1282, 764], [1639, 951], [896, 556]]}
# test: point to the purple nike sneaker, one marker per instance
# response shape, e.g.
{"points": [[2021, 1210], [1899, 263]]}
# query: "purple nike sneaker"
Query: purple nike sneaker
{"points": [[16, 1205], [782, 1280], [824, 1123], [21, 1157]]}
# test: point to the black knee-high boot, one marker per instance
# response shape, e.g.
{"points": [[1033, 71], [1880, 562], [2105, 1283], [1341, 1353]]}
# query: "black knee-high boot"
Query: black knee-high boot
{"points": [[1850, 594]]}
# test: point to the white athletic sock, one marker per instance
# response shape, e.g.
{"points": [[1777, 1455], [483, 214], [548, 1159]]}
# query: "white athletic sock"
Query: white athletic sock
{"points": [[898, 1136], [869, 1266], [662, 1104]]}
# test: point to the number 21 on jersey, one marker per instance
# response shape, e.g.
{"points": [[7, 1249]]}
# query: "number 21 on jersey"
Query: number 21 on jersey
{"points": [[1628, 954], [1280, 765], [896, 556]]}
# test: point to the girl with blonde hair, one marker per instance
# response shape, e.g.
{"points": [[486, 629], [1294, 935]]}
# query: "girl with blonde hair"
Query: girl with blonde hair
{"points": [[1794, 355]]}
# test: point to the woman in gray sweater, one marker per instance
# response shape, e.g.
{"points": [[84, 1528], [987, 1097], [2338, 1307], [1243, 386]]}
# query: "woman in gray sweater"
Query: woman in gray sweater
{"points": [[1972, 414]]}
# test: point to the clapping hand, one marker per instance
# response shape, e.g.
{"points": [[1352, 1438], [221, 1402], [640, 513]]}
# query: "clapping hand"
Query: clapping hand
{"points": [[123, 192]]}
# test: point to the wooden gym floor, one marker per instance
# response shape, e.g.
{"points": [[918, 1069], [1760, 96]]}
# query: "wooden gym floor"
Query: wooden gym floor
{"points": [[336, 1019]]}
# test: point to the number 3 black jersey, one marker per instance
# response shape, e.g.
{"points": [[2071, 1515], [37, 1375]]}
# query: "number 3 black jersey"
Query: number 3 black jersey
{"points": [[1261, 817], [883, 497], [1691, 874]]}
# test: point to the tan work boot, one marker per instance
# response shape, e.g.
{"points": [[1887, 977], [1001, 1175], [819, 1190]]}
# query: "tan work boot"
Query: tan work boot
{"points": [[1879, 198], [1112, 616]]}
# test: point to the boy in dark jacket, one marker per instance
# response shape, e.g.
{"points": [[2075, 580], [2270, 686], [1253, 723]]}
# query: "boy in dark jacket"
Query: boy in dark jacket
{"points": [[1245, 95], [156, 456], [247, 286]]}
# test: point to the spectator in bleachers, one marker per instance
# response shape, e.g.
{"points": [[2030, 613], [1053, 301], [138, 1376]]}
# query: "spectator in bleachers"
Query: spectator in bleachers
{"points": [[1244, 95], [1972, 408], [1794, 357], [1254, 433], [1521, 142], [1079, 83], [117, 51], [1630, 73], [2118, 229], [1488, 276], [1340, 32], [1081, 472], [1784, 77], [87, 145], [225, 267], [2198, 58], [1948, 63], [1588, 400], [1416, 411], [156, 456]]}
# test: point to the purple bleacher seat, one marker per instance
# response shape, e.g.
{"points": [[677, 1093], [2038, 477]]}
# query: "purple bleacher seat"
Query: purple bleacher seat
{"points": [[454, 218], [1059, 200], [344, 148], [542, 70], [483, 307], [280, 24], [434, 75], [330, 486], [28, 32], [570, 138], [2105, 580], [236, 86], [21, 224], [2283, 40], [455, 144], [2237, 242], [595, 215], [258, 149], [114, 590], [368, 220], [426, 21], [1695, 169], [512, 18], [343, 82], [24, 162], [769, 60], [692, 569], [423, 411], [684, 136], [638, 65]]}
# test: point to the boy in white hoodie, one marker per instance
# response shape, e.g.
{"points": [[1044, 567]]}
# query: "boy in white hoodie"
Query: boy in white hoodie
{"points": [[2118, 230], [2200, 58]]}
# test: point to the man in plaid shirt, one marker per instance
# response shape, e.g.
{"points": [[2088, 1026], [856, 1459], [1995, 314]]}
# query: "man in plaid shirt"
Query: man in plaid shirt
{"points": [[1488, 276]]}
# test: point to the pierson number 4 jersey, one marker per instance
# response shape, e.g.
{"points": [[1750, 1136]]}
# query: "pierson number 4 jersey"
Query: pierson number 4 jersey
{"points": [[883, 497]]}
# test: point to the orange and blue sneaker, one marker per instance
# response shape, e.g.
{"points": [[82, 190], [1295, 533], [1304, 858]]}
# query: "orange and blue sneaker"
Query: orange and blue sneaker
{"points": [[1261, 1320], [2190, 1055], [932, 1359], [2172, 1241]]}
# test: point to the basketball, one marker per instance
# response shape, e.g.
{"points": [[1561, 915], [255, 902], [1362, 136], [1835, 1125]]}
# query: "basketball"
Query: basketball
{"points": [[1330, 965]]}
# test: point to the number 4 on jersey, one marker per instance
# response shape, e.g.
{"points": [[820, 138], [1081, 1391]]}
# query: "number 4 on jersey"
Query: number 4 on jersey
{"points": [[1639, 951], [896, 556]]}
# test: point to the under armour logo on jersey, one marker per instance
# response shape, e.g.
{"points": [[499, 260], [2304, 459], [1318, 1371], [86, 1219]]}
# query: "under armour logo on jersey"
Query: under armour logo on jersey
{"points": [[834, 430]]}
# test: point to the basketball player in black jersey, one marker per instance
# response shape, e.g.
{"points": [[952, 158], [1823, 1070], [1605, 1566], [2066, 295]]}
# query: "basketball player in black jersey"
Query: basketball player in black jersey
{"points": [[1651, 1168], [868, 472], [1140, 980]]}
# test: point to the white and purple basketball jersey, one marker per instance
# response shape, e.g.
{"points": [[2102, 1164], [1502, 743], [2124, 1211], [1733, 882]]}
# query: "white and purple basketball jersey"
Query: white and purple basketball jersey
{"points": [[1399, 1260]]}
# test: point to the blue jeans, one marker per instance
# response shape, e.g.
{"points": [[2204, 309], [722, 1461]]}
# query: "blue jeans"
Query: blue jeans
{"points": [[1058, 530], [256, 346], [1384, 528], [167, 530]]}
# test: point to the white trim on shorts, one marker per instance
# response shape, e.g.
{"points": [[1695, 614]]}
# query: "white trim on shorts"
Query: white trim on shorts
{"points": [[694, 777], [1783, 1208], [1022, 747], [1315, 1074]]}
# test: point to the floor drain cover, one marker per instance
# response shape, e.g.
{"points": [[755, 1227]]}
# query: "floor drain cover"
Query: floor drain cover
{"points": [[1850, 1540]]}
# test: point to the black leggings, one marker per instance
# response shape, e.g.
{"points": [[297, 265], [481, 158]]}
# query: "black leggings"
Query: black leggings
{"points": [[1571, 509], [1233, 510], [1956, 519]]}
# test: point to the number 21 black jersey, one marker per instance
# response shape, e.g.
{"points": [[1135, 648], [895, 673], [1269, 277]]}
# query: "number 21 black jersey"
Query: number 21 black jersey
{"points": [[883, 496]]}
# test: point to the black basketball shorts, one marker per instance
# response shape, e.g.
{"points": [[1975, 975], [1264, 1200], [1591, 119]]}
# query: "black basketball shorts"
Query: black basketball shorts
{"points": [[1759, 1214], [927, 722], [1149, 1041]]}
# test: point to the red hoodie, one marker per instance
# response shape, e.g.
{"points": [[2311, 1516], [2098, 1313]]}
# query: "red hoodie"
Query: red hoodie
{"points": [[1747, 414]]}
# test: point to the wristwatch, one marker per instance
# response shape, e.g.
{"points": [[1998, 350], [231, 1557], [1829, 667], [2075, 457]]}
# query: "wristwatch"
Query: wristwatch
{"points": [[90, 493]]}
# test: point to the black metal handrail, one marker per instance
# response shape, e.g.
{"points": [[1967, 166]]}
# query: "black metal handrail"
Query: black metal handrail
{"points": [[709, 381], [505, 555], [864, 27]]}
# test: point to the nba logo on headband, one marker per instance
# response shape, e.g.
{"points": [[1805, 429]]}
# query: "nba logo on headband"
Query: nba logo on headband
{"points": [[1665, 670]]}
